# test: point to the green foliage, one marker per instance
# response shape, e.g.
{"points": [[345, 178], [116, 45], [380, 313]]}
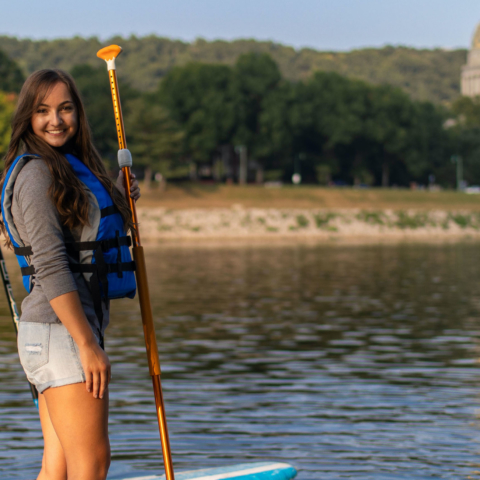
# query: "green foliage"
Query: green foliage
{"points": [[254, 77], [94, 88], [464, 136], [329, 125], [7, 106], [155, 139], [429, 75], [199, 98], [464, 220], [11, 77], [467, 111], [322, 220], [302, 221], [412, 221], [372, 218]]}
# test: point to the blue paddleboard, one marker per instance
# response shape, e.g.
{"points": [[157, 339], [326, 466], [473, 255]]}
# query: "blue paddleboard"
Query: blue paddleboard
{"points": [[244, 471]]}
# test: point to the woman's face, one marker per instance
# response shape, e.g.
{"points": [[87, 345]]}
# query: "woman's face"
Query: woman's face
{"points": [[56, 120]]}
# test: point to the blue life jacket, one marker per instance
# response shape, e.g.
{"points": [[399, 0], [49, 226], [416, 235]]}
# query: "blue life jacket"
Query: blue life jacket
{"points": [[102, 253]]}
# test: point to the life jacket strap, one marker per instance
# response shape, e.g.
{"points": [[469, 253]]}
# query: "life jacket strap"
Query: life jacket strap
{"points": [[109, 267], [103, 244], [80, 246], [91, 268], [23, 251], [30, 270], [111, 210]]}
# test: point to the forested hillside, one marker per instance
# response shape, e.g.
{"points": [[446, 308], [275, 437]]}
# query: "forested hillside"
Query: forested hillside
{"points": [[432, 75], [216, 109]]}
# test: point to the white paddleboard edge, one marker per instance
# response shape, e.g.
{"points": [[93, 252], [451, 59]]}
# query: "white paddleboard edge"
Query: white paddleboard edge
{"points": [[241, 472]]}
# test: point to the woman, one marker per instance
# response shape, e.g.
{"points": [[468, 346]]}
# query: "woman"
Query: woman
{"points": [[61, 328]]}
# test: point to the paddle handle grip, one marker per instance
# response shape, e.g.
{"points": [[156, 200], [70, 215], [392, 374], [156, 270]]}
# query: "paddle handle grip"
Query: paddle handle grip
{"points": [[117, 109]]}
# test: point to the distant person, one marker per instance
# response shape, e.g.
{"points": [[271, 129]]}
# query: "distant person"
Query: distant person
{"points": [[67, 221]]}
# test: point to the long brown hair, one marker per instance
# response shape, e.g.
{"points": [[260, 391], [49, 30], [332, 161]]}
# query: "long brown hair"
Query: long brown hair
{"points": [[66, 191]]}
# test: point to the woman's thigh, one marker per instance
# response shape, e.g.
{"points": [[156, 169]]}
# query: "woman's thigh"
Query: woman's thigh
{"points": [[81, 424], [53, 462]]}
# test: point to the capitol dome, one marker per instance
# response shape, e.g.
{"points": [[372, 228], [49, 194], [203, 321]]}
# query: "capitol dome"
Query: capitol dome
{"points": [[476, 39], [471, 71]]}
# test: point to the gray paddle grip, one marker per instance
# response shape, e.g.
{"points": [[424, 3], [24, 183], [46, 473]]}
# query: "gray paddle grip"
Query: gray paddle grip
{"points": [[124, 158]]}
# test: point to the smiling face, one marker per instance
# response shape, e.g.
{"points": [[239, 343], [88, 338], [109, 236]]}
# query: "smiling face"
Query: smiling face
{"points": [[55, 120]]}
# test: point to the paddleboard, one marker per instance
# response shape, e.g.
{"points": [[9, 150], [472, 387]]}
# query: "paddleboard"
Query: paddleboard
{"points": [[244, 471]]}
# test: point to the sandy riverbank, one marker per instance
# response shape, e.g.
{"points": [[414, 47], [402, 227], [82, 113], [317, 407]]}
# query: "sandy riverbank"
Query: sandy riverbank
{"points": [[265, 225]]}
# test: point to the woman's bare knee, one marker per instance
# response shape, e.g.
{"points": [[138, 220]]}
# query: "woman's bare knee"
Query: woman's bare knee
{"points": [[91, 467]]}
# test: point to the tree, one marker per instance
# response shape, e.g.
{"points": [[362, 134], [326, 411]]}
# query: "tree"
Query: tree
{"points": [[428, 75], [154, 138], [95, 91], [465, 136], [7, 107], [11, 77], [198, 97], [389, 124], [255, 77]]}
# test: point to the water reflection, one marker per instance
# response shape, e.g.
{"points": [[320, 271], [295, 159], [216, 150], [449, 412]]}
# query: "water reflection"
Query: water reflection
{"points": [[345, 361]]}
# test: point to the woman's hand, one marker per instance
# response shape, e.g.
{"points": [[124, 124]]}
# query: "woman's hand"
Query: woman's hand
{"points": [[134, 188], [97, 368], [94, 360]]}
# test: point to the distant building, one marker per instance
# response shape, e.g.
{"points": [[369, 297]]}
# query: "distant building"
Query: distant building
{"points": [[471, 71]]}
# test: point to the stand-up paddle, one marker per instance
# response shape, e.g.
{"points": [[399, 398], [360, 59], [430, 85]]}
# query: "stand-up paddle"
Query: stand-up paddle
{"points": [[14, 312], [109, 54], [258, 471]]}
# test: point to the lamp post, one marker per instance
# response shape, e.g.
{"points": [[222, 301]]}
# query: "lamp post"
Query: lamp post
{"points": [[243, 167], [457, 159], [297, 176]]}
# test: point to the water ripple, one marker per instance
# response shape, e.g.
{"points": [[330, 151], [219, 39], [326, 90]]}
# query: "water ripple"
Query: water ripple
{"points": [[348, 362]]}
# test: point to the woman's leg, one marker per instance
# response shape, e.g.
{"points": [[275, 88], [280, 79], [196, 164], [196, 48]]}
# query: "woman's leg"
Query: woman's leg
{"points": [[81, 424], [54, 466]]}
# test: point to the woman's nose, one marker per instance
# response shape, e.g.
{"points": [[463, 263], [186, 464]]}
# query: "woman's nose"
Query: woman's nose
{"points": [[55, 119]]}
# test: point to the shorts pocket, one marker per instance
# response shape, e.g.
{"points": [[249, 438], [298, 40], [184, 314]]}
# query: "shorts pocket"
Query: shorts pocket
{"points": [[33, 343]]}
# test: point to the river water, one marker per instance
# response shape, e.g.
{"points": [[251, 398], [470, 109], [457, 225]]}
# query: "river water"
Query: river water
{"points": [[345, 361]]}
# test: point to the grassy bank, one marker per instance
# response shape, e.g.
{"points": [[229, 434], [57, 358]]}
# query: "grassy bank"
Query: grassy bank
{"points": [[191, 195]]}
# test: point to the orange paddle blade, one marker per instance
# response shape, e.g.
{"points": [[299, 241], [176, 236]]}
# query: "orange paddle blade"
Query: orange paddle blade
{"points": [[110, 52]]}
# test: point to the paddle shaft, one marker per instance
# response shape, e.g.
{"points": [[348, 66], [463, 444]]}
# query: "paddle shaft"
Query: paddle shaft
{"points": [[143, 290], [14, 312]]}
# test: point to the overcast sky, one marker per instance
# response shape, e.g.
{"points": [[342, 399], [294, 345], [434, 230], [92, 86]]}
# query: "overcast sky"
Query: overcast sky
{"points": [[321, 24]]}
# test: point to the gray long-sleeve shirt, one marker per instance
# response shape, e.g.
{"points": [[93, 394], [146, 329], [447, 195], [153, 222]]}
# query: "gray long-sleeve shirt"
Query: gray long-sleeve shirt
{"points": [[37, 221]]}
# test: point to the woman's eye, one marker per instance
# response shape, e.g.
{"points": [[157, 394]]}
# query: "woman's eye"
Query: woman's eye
{"points": [[67, 108], [41, 110]]}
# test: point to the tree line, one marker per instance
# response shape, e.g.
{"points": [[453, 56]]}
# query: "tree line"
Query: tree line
{"points": [[431, 75], [203, 119]]}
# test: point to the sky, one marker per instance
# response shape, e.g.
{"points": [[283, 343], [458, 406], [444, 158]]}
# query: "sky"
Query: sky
{"points": [[319, 24]]}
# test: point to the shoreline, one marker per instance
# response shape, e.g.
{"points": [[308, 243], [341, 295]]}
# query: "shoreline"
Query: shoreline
{"points": [[269, 226]]}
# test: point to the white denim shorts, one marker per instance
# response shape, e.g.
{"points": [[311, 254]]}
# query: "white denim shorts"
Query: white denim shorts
{"points": [[49, 355]]}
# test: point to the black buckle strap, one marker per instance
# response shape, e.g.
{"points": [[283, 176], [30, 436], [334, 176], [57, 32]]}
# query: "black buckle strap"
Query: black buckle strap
{"points": [[119, 253], [103, 244], [111, 210], [116, 242], [88, 268], [30, 270], [110, 267], [23, 251]]}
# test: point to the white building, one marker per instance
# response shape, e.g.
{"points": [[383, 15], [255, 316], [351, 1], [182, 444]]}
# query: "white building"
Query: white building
{"points": [[471, 71]]}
